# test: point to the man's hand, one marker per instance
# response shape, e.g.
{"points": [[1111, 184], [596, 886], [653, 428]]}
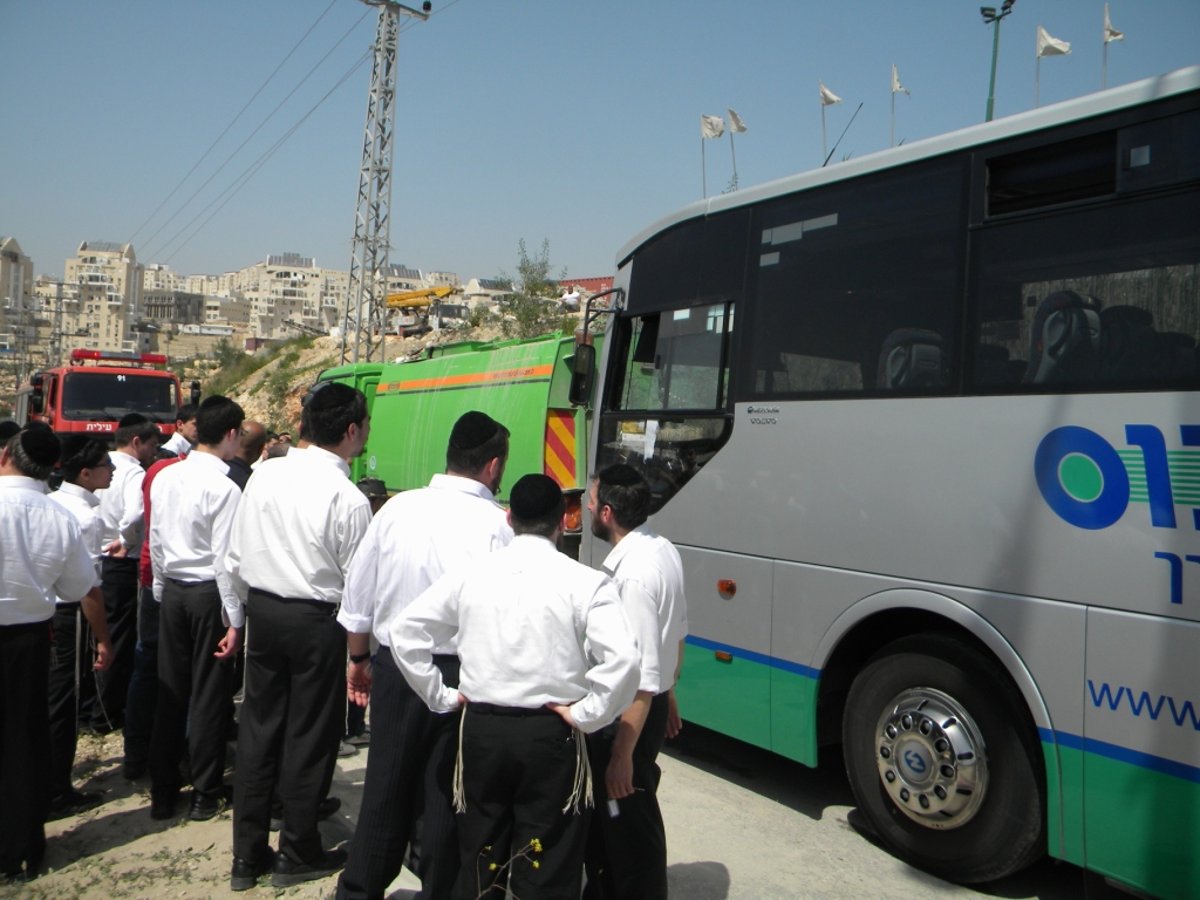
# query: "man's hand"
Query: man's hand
{"points": [[674, 722], [564, 710], [104, 655], [619, 777], [115, 550], [228, 645], [358, 682]]}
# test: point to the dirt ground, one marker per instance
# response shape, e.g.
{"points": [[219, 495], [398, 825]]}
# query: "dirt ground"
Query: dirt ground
{"points": [[117, 850]]}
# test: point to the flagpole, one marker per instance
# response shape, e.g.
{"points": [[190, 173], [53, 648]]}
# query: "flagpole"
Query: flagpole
{"points": [[822, 134], [703, 171], [733, 153], [892, 130], [1037, 82], [1104, 66]]}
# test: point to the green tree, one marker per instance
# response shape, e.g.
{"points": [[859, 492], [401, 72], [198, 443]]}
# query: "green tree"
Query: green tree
{"points": [[533, 307]]}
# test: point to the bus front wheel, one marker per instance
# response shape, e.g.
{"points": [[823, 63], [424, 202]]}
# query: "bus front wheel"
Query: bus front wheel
{"points": [[943, 760]]}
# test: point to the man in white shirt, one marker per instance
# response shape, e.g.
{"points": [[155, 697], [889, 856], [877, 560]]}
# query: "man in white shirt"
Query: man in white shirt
{"points": [[181, 442], [415, 537], [200, 614], [85, 468], [42, 555], [137, 439], [627, 847], [546, 653], [298, 526]]}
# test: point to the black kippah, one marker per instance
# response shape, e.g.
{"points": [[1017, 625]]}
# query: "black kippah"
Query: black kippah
{"points": [[372, 488], [473, 429], [132, 419], [7, 429], [621, 475], [73, 444], [39, 444], [535, 496]]}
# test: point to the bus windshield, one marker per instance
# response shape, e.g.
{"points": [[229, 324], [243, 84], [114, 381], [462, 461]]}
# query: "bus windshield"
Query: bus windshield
{"points": [[95, 394]]}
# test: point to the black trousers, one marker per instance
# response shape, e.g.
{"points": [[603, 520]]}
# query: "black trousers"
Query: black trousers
{"points": [[24, 744], [119, 583], [193, 690], [518, 770], [291, 722], [66, 659], [626, 855], [410, 773], [142, 699]]}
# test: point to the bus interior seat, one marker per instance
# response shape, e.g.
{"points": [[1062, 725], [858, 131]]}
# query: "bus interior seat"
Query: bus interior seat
{"points": [[1176, 355], [1064, 340], [910, 358]]}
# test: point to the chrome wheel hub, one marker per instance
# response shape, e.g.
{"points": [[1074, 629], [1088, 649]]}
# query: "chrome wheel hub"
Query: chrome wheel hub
{"points": [[931, 758]]}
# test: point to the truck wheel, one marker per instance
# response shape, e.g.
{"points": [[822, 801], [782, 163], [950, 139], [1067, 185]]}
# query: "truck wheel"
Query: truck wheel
{"points": [[944, 761]]}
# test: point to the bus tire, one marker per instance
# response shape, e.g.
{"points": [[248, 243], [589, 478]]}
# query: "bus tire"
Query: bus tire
{"points": [[944, 761]]}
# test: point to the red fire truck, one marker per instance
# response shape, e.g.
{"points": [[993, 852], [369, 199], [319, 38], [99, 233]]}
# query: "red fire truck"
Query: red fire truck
{"points": [[98, 388]]}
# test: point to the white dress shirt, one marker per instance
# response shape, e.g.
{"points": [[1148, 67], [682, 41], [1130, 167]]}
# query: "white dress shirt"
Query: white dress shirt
{"points": [[649, 574], [534, 627], [415, 538], [121, 503], [178, 444], [85, 507], [298, 525], [41, 553], [194, 503]]}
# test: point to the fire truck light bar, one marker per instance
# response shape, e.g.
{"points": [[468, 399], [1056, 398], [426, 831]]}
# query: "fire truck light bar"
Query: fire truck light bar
{"points": [[79, 354]]}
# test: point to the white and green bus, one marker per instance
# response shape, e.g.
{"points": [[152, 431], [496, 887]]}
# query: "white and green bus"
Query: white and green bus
{"points": [[925, 427]]}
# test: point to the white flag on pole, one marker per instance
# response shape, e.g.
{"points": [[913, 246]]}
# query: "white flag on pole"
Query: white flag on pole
{"points": [[1111, 34], [828, 97], [1051, 46], [897, 87], [736, 124], [711, 126]]}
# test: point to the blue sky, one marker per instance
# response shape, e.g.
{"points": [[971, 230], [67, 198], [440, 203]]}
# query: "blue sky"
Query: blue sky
{"points": [[537, 119]]}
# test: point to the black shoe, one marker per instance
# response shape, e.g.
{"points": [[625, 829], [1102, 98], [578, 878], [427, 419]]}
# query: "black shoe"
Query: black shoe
{"points": [[162, 806], [132, 771], [72, 803], [205, 807], [362, 739], [325, 809], [246, 872], [287, 873], [346, 749]]}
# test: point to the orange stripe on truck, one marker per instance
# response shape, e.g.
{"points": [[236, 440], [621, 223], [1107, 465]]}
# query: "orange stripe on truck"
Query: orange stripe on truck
{"points": [[467, 380], [560, 447]]}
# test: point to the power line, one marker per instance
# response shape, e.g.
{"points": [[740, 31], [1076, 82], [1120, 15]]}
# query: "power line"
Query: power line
{"points": [[257, 129], [233, 122], [255, 166]]}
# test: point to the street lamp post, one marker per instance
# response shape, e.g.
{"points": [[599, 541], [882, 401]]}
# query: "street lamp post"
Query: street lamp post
{"points": [[992, 16]]}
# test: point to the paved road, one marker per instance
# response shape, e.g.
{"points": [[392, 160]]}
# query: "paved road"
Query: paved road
{"points": [[744, 823]]}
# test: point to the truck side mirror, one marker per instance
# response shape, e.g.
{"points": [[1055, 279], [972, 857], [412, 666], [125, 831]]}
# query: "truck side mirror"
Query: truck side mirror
{"points": [[194, 396], [37, 397], [583, 371]]}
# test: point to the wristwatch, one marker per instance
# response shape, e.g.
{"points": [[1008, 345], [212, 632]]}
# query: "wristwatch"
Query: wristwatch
{"points": [[359, 657]]}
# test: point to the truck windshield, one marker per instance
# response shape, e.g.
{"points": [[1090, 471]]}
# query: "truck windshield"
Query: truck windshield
{"points": [[110, 395]]}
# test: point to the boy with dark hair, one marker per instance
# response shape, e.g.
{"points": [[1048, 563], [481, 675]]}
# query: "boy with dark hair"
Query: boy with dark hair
{"points": [[291, 579], [200, 615], [85, 468], [416, 537], [137, 440], [29, 583], [627, 850], [184, 438], [546, 654]]}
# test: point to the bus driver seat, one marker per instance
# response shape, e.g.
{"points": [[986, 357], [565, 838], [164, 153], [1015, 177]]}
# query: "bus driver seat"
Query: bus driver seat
{"points": [[911, 358], [1064, 339]]}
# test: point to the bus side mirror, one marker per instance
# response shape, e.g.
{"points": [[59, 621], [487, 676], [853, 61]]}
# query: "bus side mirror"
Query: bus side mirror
{"points": [[37, 397], [583, 371], [194, 396]]}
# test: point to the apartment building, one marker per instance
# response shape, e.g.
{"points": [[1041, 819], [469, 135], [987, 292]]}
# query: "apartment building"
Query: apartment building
{"points": [[16, 296], [106, 279]]}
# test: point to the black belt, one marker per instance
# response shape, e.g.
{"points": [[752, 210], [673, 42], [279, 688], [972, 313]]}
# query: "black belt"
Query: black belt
{"points": [[491, 709], [323, 605]]}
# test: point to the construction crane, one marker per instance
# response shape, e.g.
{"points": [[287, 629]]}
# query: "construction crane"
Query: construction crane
{"points": [[420, 298], [365, 306]]}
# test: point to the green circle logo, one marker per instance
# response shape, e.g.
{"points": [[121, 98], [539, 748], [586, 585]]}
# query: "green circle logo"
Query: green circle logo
{"points": [[1081, 477]]}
